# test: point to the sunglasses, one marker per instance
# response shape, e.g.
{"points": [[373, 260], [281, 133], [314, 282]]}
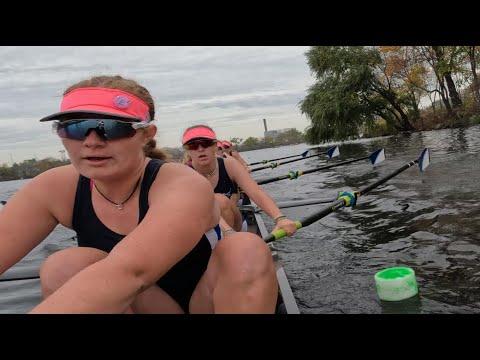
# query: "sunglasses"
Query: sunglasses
{"points": [[108, 129], [194, 145]]}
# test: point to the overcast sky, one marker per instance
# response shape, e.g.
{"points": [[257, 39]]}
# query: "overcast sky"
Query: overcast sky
{"points": [[229, 88]]}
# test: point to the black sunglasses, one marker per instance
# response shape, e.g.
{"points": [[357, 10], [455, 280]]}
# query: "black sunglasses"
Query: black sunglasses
{"points": [[108, 129], [204, 143]]}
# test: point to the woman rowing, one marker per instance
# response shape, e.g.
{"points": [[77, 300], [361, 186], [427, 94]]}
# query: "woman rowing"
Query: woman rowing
{"points": [[226, 175], [228, 149], [130, 209]]}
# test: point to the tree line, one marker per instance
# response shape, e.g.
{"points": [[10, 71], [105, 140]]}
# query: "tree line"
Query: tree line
{"points": [[29, 168], [375, 90], [32, 167]]}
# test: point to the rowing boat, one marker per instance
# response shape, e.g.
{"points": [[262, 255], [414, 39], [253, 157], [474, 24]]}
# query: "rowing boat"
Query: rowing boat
{"points": [[286, 303]]}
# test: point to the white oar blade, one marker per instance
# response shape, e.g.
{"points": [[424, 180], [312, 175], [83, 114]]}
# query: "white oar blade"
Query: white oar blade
{"points": [[334, 151], [377, 157], [424, 159]]}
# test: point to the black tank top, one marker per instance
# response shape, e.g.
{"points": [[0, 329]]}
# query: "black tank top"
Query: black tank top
{"points": [[225, 185], [180, 281]]}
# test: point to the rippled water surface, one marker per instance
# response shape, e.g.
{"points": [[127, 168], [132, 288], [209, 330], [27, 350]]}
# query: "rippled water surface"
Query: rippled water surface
{"points": [[429, 222]]}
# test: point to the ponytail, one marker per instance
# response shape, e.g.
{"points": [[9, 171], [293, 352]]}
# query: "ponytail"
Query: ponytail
{"points": [[151, 150]]}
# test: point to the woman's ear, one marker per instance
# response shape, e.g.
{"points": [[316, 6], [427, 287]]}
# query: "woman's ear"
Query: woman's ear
{"points": [[150, 132]]}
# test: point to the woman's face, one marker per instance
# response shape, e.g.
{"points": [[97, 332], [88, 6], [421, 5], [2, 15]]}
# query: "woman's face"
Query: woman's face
{"points": [[97, 158], [202, 152]]}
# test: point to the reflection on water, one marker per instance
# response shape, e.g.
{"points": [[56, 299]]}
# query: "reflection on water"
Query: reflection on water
{"points": [[429, 222]]}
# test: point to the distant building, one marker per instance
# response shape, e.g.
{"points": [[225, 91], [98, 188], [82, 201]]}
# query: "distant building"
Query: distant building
{"points": [[272, 134]]}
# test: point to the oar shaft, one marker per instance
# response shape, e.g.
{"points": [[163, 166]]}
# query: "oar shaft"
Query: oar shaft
{"points": [[266, 181], [322, 213], [264, 161], [261, 168], [21, 278], [334, 165], [370, 187], [290, 204], [294, 160], [282, 177], [283, 162]]}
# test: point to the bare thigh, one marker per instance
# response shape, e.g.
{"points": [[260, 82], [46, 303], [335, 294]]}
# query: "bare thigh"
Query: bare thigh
{"points": [[240, 278], [229, 211]]}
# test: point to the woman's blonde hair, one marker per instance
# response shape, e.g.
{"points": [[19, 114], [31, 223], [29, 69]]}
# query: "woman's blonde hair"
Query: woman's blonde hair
{"points": [[186, 158]]}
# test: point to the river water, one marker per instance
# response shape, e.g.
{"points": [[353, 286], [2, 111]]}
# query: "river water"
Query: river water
{"points": [[428, 221]]}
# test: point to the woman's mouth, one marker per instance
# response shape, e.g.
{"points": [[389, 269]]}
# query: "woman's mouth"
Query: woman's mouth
{"points": [[96, 159]]}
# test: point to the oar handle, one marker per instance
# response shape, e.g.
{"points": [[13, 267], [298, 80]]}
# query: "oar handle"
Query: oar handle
{"points": [[280, 233], [306, 221]]}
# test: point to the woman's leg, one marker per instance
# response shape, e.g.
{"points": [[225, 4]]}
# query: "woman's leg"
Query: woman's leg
{"points": [[240, 278], [229, 211], [64, 264], [59, 267]]}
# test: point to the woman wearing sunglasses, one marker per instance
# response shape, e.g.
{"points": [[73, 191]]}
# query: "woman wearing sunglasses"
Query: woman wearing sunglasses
{"points": [[147, 229], [226, 175]]}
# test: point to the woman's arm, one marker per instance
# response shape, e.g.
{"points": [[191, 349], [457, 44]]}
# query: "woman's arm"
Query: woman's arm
{"points": [[237, 156], [238, 173], [182, 208], [28, 218]]}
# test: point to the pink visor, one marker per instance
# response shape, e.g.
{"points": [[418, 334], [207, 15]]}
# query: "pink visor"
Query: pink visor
{"points": [[198, 133], [226, 143], [101, 101]]}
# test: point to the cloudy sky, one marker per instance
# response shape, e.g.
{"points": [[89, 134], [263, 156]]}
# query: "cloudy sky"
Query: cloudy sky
{"points": [[230, 88]]}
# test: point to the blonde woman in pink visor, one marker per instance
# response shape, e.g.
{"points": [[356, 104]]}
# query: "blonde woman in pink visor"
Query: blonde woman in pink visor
{"points": [[226, 175], [147, 230]]}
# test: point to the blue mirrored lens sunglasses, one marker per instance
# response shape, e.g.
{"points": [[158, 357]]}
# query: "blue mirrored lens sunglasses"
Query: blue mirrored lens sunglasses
{"points": [[108, 129]]}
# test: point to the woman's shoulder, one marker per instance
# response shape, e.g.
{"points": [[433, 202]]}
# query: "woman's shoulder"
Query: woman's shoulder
{"points": [[61, 175], [180, 181], [231, 162], [181, 174]]}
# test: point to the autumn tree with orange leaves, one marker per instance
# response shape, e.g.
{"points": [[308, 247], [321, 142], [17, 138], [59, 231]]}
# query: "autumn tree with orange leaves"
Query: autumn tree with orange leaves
{"points": [[355, 86]]}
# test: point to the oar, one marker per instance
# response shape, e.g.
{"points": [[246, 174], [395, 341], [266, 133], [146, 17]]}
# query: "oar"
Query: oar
{"points": [[288, 204], [331, 153], [286, 157], [375, 158], [22, 278], [349, 199]]}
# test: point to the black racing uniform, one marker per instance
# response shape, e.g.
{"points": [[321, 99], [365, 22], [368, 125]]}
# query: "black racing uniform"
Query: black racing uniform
{"points": [[225, 185], [180, 281]]}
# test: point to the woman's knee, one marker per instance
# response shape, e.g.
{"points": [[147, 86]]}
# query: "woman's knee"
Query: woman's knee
{"points": [[245, 257], [63, 264], [223, 202]]}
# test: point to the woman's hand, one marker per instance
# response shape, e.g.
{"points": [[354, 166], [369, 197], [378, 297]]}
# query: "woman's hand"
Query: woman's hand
{"points": [[286, 224]]}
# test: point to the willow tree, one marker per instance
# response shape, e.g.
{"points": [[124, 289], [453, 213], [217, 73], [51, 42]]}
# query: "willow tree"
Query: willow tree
{"points": [[349, 94]]}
